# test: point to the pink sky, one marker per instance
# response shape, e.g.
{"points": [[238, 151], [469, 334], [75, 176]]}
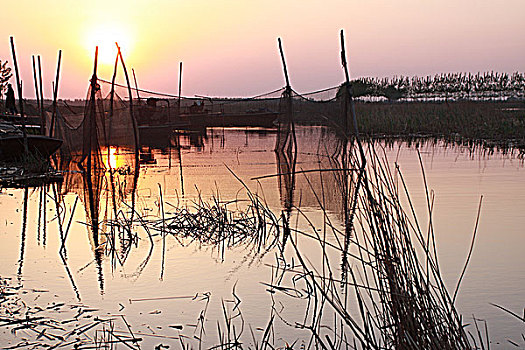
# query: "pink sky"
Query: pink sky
{"points": [[229, 48]]}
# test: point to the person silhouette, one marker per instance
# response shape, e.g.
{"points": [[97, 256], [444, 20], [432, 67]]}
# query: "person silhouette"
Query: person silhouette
{"points": [[10, 103]]}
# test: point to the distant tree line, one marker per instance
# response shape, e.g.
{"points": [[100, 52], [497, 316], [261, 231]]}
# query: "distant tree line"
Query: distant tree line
{"points": [[488, 85]]}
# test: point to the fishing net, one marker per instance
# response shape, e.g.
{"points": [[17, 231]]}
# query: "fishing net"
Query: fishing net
{"points": [[98, 157], [310, 160], [102, 121], [155, 108]]}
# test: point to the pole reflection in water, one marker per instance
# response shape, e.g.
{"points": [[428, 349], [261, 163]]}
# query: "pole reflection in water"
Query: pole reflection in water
{"points": [[179, 154], [286, 162], [23, 235], [104, 194], [39, 224]]}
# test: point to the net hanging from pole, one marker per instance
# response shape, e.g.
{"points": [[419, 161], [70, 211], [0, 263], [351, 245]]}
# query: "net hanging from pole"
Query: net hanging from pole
{"points": [[98, 154]]}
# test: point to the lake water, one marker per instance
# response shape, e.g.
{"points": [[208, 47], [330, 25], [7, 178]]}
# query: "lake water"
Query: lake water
{"points": [[190, 277]]}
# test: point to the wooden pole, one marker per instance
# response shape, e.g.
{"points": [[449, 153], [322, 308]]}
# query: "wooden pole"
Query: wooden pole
{"points": [[180, 88], [111, 100], [55, 94], [37, 94], [19, 91], [42, 113], [111, 110], [290, 138], [343, 57], [284, 63], [136, 85], [349, 215], [350, 94], [92, 133], [135, 127], [135, 133]]}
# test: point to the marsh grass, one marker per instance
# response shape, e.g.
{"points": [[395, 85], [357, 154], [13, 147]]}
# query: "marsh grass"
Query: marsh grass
{"points": [[489, 123], [384, 289]]}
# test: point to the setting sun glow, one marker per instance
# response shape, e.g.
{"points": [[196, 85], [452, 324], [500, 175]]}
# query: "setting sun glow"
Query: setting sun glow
{"points": [[229, 47], [104, 36]]}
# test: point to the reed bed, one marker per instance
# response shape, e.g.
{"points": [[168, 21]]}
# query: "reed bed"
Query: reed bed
{"points": [[495, 125], [486, 85], [383, 289]]}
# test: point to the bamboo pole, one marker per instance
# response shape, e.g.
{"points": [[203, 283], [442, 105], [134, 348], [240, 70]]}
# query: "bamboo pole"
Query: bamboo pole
{"points": [[350, 96], [55, 95], [284, 63], [290, 139], [37, 95], [180, 88], [111, 104], [135, 134], [19, 91], [92, 133], [343, 57], [134, 121], [111, 111], [348, 102], [42, 113], [136, 85]]}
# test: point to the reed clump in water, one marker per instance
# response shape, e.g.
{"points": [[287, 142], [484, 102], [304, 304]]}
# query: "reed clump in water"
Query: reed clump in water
{"points": [[384, 289], [377, 284], [215, 223], [221, 224]]}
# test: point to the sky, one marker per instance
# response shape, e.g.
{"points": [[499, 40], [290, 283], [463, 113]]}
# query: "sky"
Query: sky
{"points": [[229, 48]]}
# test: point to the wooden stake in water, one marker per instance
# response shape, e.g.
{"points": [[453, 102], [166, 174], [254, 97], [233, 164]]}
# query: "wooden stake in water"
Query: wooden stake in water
{"points": [[180, 87], [135, 127], [92, 134], [290, 139], [136, 85], [37, 95], [135, 134], [23, 234], [284, 63], [42, 113], [179, 153], [55, 94], [19, 91]]}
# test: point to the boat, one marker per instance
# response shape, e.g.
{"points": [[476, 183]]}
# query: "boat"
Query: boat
{"points": [[12, 143]]}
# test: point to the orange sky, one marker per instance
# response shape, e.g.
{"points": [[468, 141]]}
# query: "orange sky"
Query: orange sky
{"points": [[229, 48]]}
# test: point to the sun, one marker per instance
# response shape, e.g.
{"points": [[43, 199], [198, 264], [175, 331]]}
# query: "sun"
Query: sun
{"points": [[104, 36]]}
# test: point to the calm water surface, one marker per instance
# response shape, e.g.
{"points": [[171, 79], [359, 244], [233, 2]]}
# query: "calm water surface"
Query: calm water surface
{"points": [[204, 275]]}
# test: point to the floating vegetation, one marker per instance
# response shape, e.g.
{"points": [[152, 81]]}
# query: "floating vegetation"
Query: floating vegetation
{"points": [[57, 325], [215, 224]]}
